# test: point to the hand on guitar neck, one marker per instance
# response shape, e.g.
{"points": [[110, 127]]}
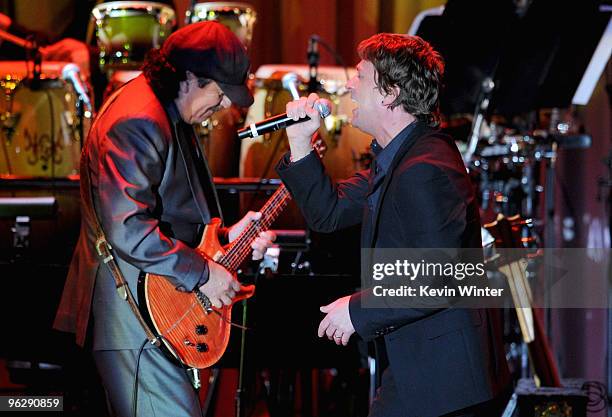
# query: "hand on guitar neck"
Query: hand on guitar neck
{"points": [[221, 287], [261, 243]]}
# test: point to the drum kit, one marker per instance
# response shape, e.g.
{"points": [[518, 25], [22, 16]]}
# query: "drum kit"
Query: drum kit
{"points": [[512, 167]]}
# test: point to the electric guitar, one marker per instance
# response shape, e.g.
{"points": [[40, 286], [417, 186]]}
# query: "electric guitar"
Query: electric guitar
{"points": [[191, 330]]}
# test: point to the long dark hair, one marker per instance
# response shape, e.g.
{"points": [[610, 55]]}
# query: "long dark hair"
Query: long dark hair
{"points": [[163, 78]]}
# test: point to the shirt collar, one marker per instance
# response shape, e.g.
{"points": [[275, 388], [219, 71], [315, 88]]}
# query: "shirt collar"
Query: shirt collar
{"points": [[384, 156]]}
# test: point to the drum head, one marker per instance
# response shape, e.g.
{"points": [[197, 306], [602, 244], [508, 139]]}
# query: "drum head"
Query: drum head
{"points": [[39, 132]]}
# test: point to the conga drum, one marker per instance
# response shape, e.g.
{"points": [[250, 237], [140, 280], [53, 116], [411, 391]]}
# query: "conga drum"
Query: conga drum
{"points": [[40, 146], [41, 127], [127, 30]]}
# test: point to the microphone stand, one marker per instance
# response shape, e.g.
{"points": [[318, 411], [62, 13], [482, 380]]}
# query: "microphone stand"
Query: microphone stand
{"points": [[480, 112], [313, 64], [189, 12], [34, 55], [24, 43]]}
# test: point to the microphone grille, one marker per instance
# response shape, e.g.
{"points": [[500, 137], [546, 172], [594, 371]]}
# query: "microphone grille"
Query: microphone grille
{"points": [[324, 108], [69, 69], [289, 79]]}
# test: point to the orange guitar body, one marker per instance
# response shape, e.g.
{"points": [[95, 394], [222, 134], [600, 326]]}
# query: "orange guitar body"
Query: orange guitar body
{"points": [[190, 334]]}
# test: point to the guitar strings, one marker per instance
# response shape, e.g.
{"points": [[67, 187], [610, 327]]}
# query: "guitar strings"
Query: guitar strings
{"points": [[249, 237], [265, 208], [236, 257], [241, 246]]}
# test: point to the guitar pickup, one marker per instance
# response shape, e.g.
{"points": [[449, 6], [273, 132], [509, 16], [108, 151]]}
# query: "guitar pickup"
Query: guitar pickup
{"points": [[204, 301]]}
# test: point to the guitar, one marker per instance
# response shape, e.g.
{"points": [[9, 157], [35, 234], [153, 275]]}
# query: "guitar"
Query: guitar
{"points": [[192, 331], [507, 234]]}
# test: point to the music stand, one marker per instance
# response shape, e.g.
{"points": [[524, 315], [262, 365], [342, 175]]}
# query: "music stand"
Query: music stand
{"points": [[538, 57]]}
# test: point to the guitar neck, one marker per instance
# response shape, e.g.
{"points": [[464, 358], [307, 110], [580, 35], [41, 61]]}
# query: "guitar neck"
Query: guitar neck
{"points": [[240, 248]]}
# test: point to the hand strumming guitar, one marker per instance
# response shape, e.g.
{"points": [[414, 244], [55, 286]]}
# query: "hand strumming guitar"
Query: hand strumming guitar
{"points": [[221, 286]]}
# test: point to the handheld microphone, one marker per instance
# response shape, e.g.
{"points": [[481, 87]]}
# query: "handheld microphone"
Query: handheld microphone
{"points": [[71, 72], [281, 121]]}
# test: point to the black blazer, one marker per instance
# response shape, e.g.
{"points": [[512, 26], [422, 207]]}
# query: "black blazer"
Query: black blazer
{"points": [[441, 360]]}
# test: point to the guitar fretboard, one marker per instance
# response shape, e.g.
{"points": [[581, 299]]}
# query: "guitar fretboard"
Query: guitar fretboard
{"points": [[240, 248]]}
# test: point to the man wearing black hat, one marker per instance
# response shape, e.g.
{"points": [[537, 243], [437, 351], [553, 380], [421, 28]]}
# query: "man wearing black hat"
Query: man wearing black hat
{"points": [[152, 194]]}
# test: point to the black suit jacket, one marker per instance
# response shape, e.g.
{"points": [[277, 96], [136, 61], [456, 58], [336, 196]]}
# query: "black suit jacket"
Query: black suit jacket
{"points": [[442, 360]]}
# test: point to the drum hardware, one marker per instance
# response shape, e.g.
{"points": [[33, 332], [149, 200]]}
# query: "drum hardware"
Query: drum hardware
{"points": [[509, 166], [482, 106], [9, 122], [32, 53], [8, 119]]}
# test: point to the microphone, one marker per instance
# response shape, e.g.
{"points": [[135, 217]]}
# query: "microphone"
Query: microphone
{"points": [[281, 121], [290, 81], [71, 72], [313, 51], [312, 55]]}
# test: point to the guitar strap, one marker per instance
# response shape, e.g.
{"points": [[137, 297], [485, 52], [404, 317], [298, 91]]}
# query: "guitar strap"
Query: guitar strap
{"points": [[103, 248]]}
